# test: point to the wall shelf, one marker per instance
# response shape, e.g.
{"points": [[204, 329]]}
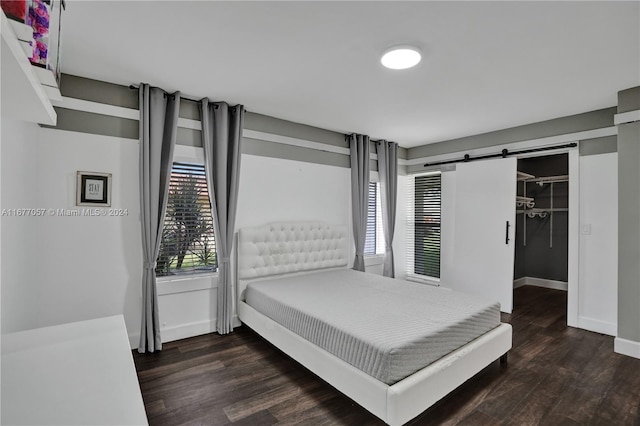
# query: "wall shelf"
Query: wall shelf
{"points": [[23, 95]]}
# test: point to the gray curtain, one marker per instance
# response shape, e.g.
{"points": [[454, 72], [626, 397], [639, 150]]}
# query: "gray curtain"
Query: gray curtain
{"points": [[359, 145], [388, 171], [221, 139], [158, 128]]}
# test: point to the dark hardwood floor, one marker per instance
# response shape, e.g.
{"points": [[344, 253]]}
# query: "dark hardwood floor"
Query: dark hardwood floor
{"points": [[555, 375]]}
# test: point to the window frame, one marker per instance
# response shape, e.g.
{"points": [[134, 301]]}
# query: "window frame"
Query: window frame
{"points": [[377, 258], [172, 284], [379, 240]]}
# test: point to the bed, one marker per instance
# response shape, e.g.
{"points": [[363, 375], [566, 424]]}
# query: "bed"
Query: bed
{"points": [[392, 346]]}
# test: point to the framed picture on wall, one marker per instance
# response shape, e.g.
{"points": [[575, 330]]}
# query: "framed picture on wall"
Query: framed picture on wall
{"points": [[93, 189]]}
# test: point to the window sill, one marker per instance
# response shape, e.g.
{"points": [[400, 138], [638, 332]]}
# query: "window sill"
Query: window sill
{"points": [[373, 259], [423, 280], [184, 284]]}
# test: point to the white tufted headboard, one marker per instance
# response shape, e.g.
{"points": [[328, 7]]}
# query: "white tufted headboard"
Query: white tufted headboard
{"points": [[289, 247]]}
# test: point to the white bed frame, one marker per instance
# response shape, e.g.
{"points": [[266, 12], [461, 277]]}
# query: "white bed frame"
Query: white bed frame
{"points": [[287, 248]]}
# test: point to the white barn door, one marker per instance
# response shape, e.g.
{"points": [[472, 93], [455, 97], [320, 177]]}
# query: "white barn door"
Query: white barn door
{"points": [[484, 243]]}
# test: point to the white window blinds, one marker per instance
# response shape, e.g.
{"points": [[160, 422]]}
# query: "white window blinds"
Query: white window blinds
{"points": [[372, 212], [188, 244], [424, 225]]}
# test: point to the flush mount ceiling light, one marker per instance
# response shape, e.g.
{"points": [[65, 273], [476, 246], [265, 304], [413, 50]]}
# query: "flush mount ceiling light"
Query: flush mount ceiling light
{"points": [[401, 57]]}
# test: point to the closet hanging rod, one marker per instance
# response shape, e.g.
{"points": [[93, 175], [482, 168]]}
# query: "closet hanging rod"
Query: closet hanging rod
{"points": [[541, 209], [503, 154]]}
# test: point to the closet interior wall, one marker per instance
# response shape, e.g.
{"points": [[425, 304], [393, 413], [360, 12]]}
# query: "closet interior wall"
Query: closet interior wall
{"points": [[542, 226]]}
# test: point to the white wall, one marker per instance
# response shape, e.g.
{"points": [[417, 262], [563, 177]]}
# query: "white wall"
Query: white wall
{"points": [[447, 214], [20, 251], [273, 189], [188, 307], [598, 294], [90, 267]]}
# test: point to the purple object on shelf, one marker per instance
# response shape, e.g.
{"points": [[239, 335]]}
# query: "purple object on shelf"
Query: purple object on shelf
{"points": [[39, 15]]}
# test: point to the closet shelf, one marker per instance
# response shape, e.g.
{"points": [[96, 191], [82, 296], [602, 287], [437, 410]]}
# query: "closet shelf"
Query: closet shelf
{"points": [[524, 176], [547, 179], [521, 198], [525, 202]]}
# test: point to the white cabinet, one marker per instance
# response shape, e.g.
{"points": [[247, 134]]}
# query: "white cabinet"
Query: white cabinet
{"points": [[80, 373]]}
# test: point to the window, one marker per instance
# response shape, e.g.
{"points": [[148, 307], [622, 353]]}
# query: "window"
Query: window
{"points": [[424, 225], [370, 239], [188, 244], [374, 240]]}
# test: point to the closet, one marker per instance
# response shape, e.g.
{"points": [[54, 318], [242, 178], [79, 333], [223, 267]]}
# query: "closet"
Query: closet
{"points": [[506, 223], [542, 222]]}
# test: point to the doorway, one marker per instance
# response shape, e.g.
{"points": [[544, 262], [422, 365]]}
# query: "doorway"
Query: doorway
{"points": [[488, 261], [542, 222]]}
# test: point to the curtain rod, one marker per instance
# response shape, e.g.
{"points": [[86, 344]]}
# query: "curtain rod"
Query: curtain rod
{"points": [[347, 136], [186, 98], [136, 87], [503, 154]]}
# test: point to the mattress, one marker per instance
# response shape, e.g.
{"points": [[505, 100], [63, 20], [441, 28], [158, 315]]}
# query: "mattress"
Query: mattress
{"points": [[387, 328]]}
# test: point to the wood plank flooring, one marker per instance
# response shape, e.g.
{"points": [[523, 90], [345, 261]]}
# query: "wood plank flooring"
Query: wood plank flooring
{"points": [[555, 375]]}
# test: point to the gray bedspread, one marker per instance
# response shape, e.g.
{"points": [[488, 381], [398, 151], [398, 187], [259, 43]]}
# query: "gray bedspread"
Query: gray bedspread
{"points": [[387, 328]]}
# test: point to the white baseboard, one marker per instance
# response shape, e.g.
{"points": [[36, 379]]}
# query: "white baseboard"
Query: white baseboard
{"points": [[183, 331], [541, 282], [236, 321], [626, 347], [519, 282], [598, 326]]}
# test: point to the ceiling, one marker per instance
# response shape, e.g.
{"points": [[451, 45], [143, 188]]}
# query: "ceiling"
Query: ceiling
{"points": [[486, 65]]}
